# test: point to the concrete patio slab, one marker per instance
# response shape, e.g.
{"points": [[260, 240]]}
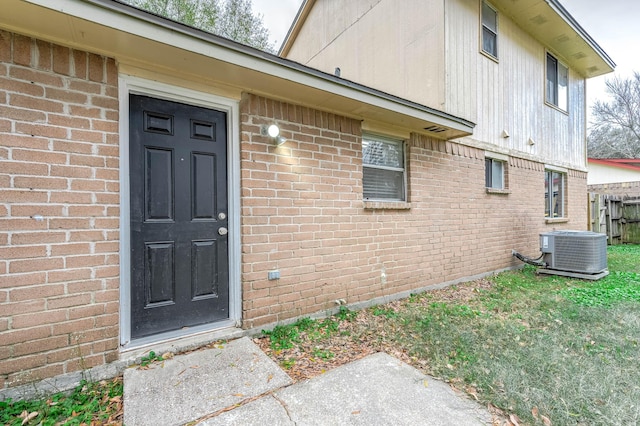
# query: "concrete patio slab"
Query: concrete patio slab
{"points": [[264, 411], [379, 390], [239, 385], [190, 386]]}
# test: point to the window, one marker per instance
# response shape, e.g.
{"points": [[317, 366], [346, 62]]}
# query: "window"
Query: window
{"points": [[383, 169], [553, 194], [557, 82], [489, 30], [494, 173]]}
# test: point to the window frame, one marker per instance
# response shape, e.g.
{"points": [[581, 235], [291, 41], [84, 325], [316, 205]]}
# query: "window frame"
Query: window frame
{"points": [[557, 98], [492, 31], [403, 146], [489, 175], [550, 194]]}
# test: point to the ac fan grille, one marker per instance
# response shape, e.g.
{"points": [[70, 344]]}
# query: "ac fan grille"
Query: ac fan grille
{"points": [[579, 252]]}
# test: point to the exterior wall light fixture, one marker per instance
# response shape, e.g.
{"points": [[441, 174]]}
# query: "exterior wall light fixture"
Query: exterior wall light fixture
{"points": [[273, 131]]}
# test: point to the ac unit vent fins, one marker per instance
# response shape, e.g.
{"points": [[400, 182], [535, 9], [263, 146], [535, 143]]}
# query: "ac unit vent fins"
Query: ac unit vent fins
{"points": [[576, 251]]}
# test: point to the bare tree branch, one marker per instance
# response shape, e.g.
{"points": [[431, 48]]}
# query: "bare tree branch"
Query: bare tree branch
{"points": [[615, 131]]}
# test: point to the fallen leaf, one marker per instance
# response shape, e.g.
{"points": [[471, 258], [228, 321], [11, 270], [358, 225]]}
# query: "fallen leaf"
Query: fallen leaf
{"points": [[534, 412], [473, 392], [514, 419], [546, 420], [167, 355], [355, 412], [29, 417], [425, 383], [269, 378]]}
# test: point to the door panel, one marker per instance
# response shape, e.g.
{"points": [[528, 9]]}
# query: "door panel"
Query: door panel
{"points": [[159, 184], [159, 280], [204, 186], [178, 184], [204, 269]]}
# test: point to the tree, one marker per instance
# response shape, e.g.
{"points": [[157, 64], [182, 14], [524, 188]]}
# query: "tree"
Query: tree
{"points": [[615, 131], [232, 19]]}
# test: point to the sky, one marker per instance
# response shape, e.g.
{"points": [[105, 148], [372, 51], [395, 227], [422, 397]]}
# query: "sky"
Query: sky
{"points": [[613, 24]]}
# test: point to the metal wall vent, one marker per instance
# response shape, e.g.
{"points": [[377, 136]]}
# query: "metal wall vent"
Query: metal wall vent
{"points": [[435, 129], [538, 19]]}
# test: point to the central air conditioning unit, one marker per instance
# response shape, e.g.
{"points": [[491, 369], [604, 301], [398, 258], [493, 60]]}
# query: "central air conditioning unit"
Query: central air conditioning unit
{"points": [[580, 254]]}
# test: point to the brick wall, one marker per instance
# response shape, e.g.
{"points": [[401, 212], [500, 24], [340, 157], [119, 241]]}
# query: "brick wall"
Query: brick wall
{"points": [[622, 189], [59, 210], [578, 200], [303, 214]]}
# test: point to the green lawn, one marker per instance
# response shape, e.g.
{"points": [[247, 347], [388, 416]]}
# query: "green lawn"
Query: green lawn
{"points": [[545, 348], [563, 348]]}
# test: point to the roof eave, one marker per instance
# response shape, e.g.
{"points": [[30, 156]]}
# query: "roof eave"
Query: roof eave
{"points": [[296, 25], [553, 26], [112, 18], [555, 4]]}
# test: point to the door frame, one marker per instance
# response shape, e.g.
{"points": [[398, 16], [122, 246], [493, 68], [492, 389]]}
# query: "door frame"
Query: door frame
{"points": [[136, 85]]}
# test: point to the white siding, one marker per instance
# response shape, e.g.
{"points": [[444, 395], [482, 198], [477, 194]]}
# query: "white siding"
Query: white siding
{"points": [[601, 174], [508, 94], [428, 51], [397, 47]]}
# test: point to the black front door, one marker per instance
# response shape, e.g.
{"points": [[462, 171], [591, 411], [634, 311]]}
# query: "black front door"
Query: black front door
{"points": [[179, 249]]}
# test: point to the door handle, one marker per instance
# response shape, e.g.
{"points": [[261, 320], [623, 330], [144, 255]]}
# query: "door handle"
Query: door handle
{"points": [[223, 231]]}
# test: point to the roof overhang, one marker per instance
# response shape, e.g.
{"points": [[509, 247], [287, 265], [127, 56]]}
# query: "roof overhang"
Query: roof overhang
{"points": [[295, 27], [550, 23], [546, 20], [624, 163], [144, 40]]}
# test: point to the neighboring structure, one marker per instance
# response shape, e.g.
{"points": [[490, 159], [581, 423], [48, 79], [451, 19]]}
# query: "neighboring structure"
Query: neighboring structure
{"points": [[143, 203], [614, 176]]}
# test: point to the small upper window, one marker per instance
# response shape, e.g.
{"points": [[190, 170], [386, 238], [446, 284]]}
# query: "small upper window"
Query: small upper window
{"points": [[554, 194], [383, 169], [489, 30], [557, 83], [494, 173]]}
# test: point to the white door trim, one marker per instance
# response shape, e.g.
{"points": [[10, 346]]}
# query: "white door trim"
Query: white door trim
{"points": [[130, 84]]}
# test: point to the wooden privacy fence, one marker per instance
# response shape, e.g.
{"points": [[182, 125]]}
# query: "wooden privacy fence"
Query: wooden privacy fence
{"points": [[618, 217]]}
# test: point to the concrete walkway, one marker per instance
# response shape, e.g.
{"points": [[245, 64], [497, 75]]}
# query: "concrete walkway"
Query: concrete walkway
{"points": [[237, 384]]}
